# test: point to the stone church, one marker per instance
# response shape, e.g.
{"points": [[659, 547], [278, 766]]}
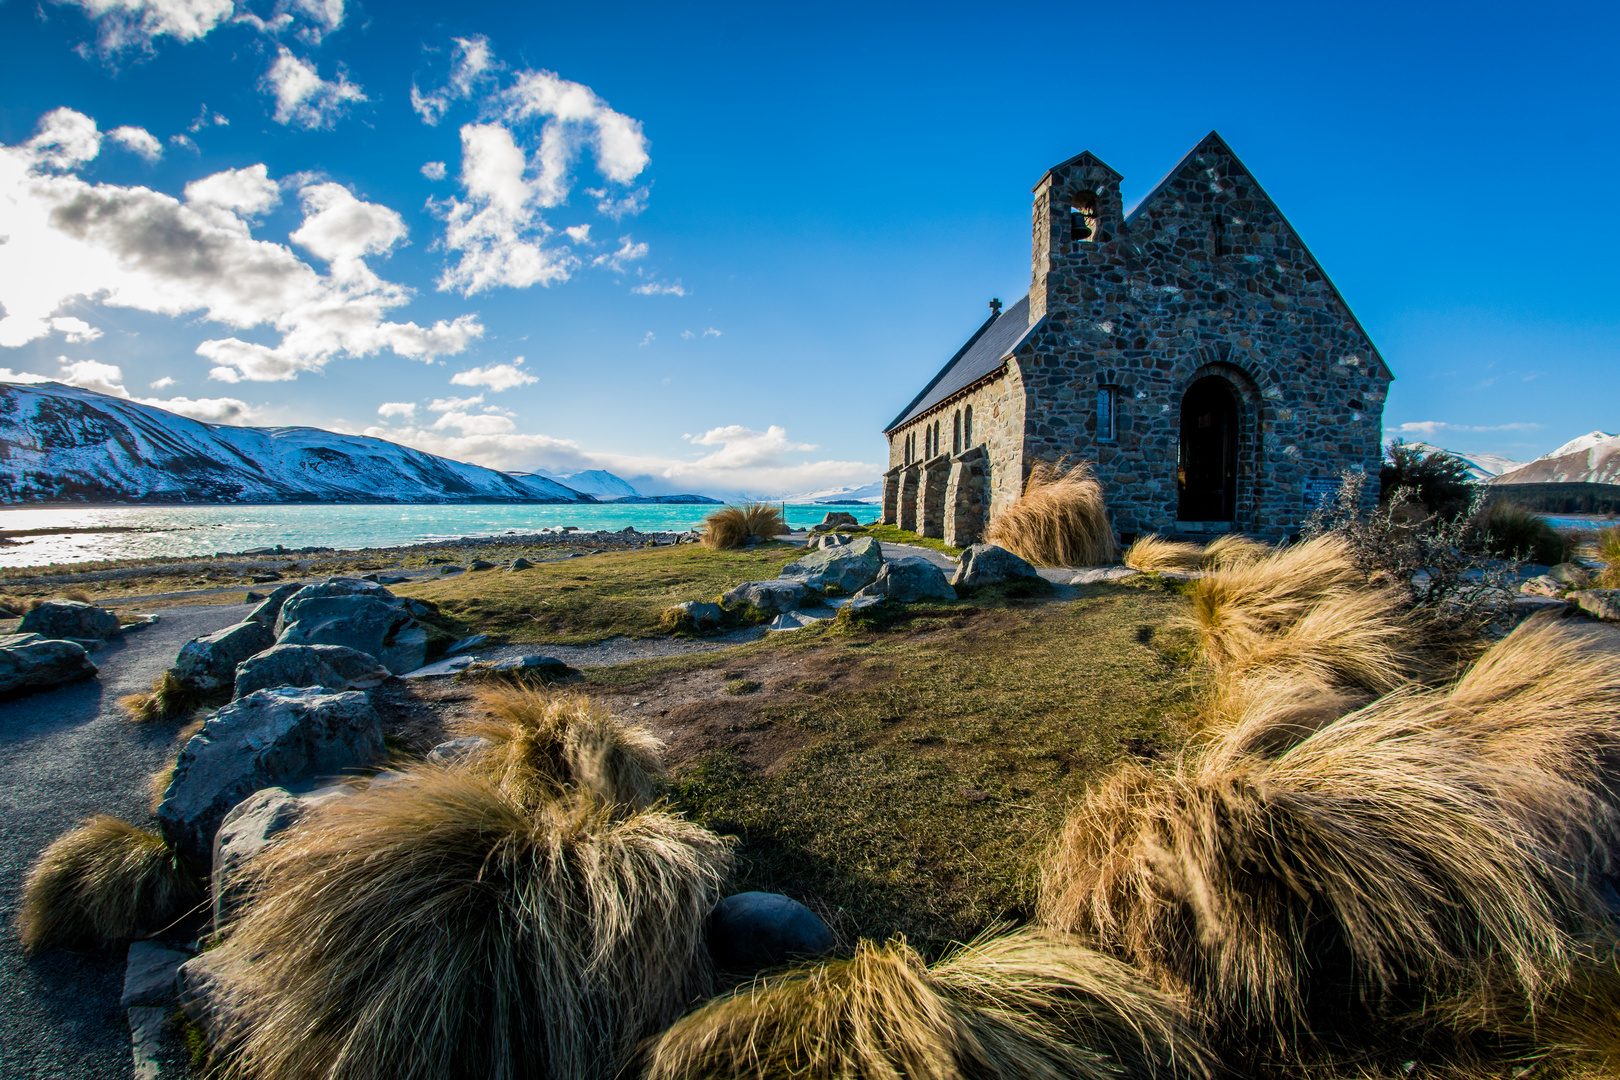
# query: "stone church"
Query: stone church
{"points": [[1193, 351]]}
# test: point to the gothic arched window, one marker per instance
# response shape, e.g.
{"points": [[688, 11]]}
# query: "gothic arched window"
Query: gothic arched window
{"points": [[956, 432], [967, 427]]}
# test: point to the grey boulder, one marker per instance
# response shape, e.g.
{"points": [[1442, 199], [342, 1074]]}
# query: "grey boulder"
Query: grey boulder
{"points": [[754, 930], [519, 563], [1098, 575], [374, 622], [208, 664], [837, 519], [149, 975], [1542, 585], [1570, 574], [987, 564], [547, 668], [69, 619], [267, 739], [769, 597], [909, 578], [1600, 603], [457, 750], [251, 826], [270, 607], [694, 615], [30, 662], [796, 620], [335, 667], [841, 568], [329, 589]]}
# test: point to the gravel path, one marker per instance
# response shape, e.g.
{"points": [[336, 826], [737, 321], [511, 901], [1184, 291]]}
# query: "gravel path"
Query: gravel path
{"points": [[64, 755]]}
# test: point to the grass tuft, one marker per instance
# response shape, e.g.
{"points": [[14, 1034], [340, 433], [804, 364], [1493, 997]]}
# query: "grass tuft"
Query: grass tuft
{"points": [[1514, 531], [732, 526], [1061, 519], [1151, 553], [441, 928], [1023, 1005], [168, 698], [1608, 550], [550, 743], [102, 885]]}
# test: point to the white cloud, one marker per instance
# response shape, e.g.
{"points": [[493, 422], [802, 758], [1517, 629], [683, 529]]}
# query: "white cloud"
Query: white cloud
{"points": [[659, 288], [122, 25], [650, 338], [687, 335], [406, 409], [138, 140], [629, 251], [77, 331], [109, 379], [207, 119], [474, 424], [711, 332], [313, 19], [742, 447], [616, 206], [133, 247], [454, 404], [471, 65], [498, 231], [240, 193], [7, 375], [497, 377], [1435, 427], [184, 142], [339, 226], [435, 170], [163, 383], [303, 98], [579, 234]]}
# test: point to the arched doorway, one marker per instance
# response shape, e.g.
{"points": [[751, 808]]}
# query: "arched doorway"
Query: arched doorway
{"points": [[1207, 466]]}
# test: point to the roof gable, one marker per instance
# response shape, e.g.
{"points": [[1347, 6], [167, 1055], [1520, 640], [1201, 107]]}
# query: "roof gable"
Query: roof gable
{"points": [[1085, 159], [981, 356], [1212, 144]]}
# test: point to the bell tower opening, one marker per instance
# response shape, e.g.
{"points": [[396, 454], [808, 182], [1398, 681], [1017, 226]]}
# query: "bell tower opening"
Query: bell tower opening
{"points": [[1207, 463], [1082, 219]]}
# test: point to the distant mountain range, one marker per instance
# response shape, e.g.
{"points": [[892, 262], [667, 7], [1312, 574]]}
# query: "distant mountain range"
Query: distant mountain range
{"points": [[1481, 467], [66, 444], [1594, 458]]}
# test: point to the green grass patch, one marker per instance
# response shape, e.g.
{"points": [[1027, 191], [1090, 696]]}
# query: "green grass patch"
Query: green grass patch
{"points": [[595, 597], [893, 534], [921, 803]]}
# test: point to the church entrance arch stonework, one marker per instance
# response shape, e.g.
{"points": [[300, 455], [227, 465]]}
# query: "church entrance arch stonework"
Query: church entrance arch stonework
{"points": [[1193, 352]]}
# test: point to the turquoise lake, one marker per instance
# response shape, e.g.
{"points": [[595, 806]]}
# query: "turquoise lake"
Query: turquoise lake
{"points": [[204, 530]]}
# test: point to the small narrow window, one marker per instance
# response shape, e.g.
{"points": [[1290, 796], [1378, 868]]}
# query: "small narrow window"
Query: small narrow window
{"points": [[1105, 414], [956, 432], [967, 427], [1082, 219], [1220, 235], [928, 442], [938, 446]]}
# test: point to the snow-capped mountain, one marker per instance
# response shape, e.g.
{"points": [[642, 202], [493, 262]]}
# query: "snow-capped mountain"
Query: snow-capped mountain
{"points": [[1481, 467], [872, 492], [1593, 458], [598, 483], [65, 443]]}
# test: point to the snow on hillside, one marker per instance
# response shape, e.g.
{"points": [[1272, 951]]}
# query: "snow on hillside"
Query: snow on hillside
{"points": [[65, 443], [1481, 467], [599, 483], [1591, 459], [872, 492]]}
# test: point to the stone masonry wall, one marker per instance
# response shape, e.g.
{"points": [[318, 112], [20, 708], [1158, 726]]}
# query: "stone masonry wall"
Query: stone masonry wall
{"points": [[1208, 279], [998, 429], [967, 498]]}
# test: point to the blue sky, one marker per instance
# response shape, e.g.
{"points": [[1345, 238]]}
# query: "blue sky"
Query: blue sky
{"points": [[795, 212]]}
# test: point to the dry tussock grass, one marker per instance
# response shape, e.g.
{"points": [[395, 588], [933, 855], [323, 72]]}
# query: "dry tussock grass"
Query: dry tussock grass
{"points": [[442, 928], [1150, 552], [1314, 870], [550, 743], [168, 698], [1025, 1005], [1608, 550], [1234, 549], [102, 885], [731, 526], [1061, 519]]}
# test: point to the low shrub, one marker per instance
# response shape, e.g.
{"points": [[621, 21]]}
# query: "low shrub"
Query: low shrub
{"points": [[1439, 480], [731, 526], [440, 927], [168, 698], [101, 886], [548, 744], [1026, 1005], [1514, 532], [1060, 520]]}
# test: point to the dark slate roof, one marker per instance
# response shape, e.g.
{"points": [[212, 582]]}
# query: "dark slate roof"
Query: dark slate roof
{"points": [[981, 356]]}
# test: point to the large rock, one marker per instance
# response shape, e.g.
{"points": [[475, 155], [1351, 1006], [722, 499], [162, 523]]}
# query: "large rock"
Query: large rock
{"points": [[269, 608], [693, 615], [335, 667], [69, 619], [768, 597], [1570, 574], [987, 564], [371, 620], [838, 519], [208, 664], [269, 738], [754, 930], [456, 751], [150, 971], [842, 569], [909, 578], [30, 662], [251, 826], [1600, 603], [1542, 585]]}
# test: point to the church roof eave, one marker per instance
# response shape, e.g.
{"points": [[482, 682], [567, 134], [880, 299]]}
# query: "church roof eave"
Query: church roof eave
{"points": [[983, 353]]}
